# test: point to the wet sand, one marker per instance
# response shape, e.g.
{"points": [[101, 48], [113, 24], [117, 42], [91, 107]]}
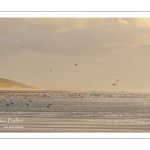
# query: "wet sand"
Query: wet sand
{"points": [[74, 112], [34, 123]]}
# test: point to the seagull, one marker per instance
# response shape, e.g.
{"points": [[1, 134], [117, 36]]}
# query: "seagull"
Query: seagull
{"points": [[76, 64], [115, 83], [50, 105]]}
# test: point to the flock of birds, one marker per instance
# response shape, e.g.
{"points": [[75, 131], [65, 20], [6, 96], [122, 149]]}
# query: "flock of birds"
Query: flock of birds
{"points": [[10, 98], [11, 102], [114, 84], [8, 104], [71, 95]]}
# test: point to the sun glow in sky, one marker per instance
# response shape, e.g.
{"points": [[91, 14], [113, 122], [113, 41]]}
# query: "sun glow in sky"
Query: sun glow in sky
{"points": [[103, 49]]}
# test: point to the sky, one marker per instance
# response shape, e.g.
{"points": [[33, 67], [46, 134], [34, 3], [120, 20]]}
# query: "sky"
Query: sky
{"points": [[104, 49]]}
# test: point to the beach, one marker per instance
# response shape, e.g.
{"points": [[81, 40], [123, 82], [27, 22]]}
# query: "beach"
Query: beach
{"points": [[64, 111]]}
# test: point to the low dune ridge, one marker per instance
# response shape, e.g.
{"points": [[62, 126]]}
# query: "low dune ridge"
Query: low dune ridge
{"points": [[9, 84]]}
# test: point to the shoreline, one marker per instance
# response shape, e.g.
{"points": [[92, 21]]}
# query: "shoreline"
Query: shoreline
{"points": [[74, 91]]}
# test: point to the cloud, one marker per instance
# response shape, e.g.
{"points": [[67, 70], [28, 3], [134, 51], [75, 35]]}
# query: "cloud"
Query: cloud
{"points": [[58, 25], [72, 36], [136, 22], [103, 48], [144, 46], [10, 26]]}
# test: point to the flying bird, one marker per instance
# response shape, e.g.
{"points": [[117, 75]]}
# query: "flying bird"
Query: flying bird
{"points": [[115, 83], [76, 64]]}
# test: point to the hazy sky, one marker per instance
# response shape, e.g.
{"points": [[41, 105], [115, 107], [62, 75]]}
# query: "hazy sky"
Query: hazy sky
{"points": [[103, 49]]}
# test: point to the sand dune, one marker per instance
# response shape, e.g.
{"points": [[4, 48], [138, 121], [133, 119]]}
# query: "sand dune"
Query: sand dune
{"points": [[9, 84]]}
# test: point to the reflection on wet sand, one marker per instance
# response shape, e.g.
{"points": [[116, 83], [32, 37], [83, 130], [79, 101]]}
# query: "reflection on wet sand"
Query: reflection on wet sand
{"points": [[74, 111]]}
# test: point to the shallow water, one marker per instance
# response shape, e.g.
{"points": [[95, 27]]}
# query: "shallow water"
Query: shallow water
{"points": [[74, 112]]}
